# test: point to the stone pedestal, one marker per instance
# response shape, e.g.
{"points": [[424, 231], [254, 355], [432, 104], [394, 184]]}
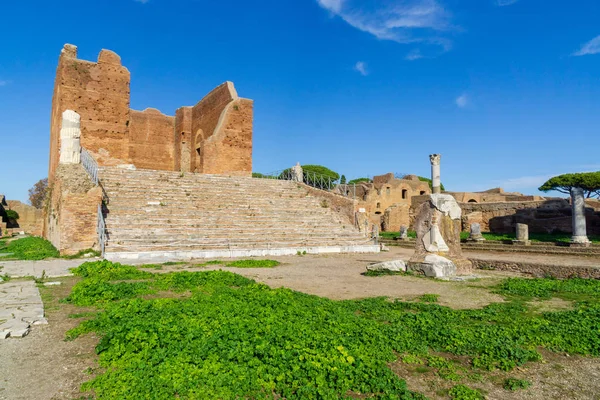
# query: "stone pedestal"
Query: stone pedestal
{"points": [[475, 234], [70, 133], [437, 249], [522, 235], [579, 238], [436, 184]]}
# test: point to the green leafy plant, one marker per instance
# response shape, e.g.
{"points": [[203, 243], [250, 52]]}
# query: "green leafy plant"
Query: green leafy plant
{"points": [[516, 384], [462, 392], [215, 334]]}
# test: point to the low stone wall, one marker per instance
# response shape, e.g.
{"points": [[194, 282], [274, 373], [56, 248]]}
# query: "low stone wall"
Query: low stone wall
{"points": [[545, 216], [539, 270]]}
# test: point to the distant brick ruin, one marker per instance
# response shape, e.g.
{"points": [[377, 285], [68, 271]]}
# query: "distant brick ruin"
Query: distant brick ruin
{"points": [[214, 136]]}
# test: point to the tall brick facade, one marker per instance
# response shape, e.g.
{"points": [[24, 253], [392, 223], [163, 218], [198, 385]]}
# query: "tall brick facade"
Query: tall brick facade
{"points": [[214, 136]]}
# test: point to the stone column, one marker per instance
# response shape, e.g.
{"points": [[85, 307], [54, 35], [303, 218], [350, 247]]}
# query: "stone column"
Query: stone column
{"points": [[522, 235], [579, 237], [435, 172], [70, 133]]}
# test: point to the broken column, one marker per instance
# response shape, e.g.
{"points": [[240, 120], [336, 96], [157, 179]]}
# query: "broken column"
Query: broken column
{"points": [[522, 235], [475, 234], [579, 237], [436, 186], [297, 173], [70, 133], [403, 233], [437, 250]]}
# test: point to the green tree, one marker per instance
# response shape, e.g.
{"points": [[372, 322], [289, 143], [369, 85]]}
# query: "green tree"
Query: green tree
{"points": [[37, 194], [343, 180], [588, 181], [12, 215], [315, 175], [359, 180]]}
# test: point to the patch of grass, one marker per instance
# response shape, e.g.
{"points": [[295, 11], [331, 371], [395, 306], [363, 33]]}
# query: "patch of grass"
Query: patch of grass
{"points": [[429, 298], [394, 235], [253, 264], [545, 288], [230, 337], [30, 248], [516, 384]]}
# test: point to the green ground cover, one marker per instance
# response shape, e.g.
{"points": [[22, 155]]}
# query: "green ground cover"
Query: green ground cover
{"points": [[29, 248], [215, 334], [36, 248]]}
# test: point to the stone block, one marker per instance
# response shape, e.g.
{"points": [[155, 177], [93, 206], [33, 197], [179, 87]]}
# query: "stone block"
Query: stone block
{"points": [[389, 266], [434, 266]]}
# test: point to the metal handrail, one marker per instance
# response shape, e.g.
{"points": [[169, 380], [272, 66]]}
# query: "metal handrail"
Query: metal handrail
{"points": [[90, 165], [101, 230], [313, 179]]}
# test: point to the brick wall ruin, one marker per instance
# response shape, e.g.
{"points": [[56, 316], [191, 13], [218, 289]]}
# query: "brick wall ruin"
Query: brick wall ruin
{"points": [[30, 218], [214, 136], [71, 210], [387, 200]]}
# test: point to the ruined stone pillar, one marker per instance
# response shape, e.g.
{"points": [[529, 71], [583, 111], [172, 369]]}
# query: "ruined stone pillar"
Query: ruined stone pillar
{"points": [[435, 172], [475, 234], [579, 237], [297, 173], [522, 235], [70, 133]]}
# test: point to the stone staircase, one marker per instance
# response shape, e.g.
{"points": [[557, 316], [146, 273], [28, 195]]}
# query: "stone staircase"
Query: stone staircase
{"points": [[161, 215]]}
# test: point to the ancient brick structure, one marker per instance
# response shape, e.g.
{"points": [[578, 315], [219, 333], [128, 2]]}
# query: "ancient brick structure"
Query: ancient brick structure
{"points": [[387, 199], [214, 136], [30, 218]]}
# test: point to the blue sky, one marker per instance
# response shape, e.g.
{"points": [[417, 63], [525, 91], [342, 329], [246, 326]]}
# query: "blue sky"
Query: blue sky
{"points": [[507, 91]]}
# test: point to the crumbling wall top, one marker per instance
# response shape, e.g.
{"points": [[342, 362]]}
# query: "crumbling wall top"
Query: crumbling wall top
{"points": [[69, 50], [109, 57]]}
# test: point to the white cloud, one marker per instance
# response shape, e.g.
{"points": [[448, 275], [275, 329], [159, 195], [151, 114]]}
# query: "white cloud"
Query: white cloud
{"points": [[406, 21], [591, 47], [462, 101], [414, 55], [361, 67], [502, 3]]}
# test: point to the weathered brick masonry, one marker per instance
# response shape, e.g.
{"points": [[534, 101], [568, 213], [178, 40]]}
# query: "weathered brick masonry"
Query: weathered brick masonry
{"points": [[214, 136]]}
